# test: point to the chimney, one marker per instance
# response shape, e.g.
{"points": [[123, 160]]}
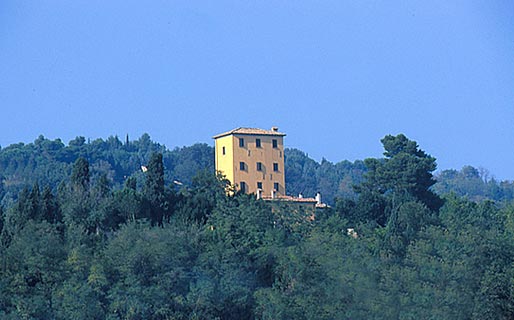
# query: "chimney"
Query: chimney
{"points": [[300, 196], [318, 198], [274, 129]]}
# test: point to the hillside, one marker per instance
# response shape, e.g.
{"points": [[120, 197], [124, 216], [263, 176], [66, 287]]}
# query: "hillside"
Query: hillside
{"points": [[148, 250], [49, 162]]}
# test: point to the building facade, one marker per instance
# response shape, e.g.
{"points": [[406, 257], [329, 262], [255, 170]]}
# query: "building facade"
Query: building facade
{"points": [[252, 160]]}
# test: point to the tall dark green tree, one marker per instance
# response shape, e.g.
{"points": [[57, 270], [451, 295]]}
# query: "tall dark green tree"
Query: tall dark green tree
{"points": [[2, 191], [153, 190], [127, 204], [32, 270], [131, 183], [405, 174], [34, 203], [49, 207], [197, 203], [403, 226], [77, 203], [80, 175], [18, 215], [2, 219]]}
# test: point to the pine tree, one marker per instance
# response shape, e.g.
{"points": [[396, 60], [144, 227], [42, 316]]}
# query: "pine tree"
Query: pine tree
{"points": [[404, 175]]}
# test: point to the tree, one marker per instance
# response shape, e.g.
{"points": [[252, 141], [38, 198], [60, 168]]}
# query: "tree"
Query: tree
{"points": [[195, 204], [2, 220], [33, 269], [127, 205], [18, 215], [404, 224], [154, 189], [76, 201], [80, 175], [151, 271], [238, 258], [100, 215], [34, 204], [131, 183], [1, 186], [78, 141], [49, 208], [404, 175]]}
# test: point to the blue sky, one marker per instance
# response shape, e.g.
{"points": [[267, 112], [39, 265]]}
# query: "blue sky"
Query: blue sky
{"points": [[336, 76]]}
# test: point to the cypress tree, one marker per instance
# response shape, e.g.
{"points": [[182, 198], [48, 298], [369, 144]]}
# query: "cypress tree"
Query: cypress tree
{"points": [[33, 205], [49, 209], [154, 189], [80, 175]]}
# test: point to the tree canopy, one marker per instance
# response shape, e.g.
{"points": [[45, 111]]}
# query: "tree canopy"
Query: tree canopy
{"points": [[150, 249]]}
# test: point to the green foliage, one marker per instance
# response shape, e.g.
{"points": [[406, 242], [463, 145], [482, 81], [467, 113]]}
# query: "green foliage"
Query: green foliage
{"points": [[306, 176], [94, 249], [51, 162], [127, 205], [80, 175], [474, 184], [405, 175], [404, 225], [153, 191], [33, 268], [196, 204], [50, 210], [185, 163], [149, 270], [327, 275], [405, 171]]}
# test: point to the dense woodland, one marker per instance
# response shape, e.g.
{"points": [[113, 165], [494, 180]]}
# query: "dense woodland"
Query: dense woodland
{"points": [[50, 162], [86, 234]]}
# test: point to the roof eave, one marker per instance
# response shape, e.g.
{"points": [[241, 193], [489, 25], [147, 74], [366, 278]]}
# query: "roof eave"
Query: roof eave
{"points": [[234, 132]]}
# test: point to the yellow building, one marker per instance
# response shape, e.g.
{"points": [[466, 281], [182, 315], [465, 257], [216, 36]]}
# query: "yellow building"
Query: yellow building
{"points": [[253, 160]]}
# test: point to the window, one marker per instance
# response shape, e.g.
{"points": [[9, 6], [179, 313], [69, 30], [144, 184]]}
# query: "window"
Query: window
{"points": [[259, 185], [258, 143], [241, 166], [223, 150], [259, 166], [276, 186], [242, 186], [241, 142], [275, 143], [275, 167]]}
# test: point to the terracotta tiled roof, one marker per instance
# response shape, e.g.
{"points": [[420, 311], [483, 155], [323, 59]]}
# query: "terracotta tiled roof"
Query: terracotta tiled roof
{"points": [[251, 131], [297, 200], [290, 199]]}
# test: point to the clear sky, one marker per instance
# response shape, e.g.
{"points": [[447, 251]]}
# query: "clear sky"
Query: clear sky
{"points": [[336, 76]]}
